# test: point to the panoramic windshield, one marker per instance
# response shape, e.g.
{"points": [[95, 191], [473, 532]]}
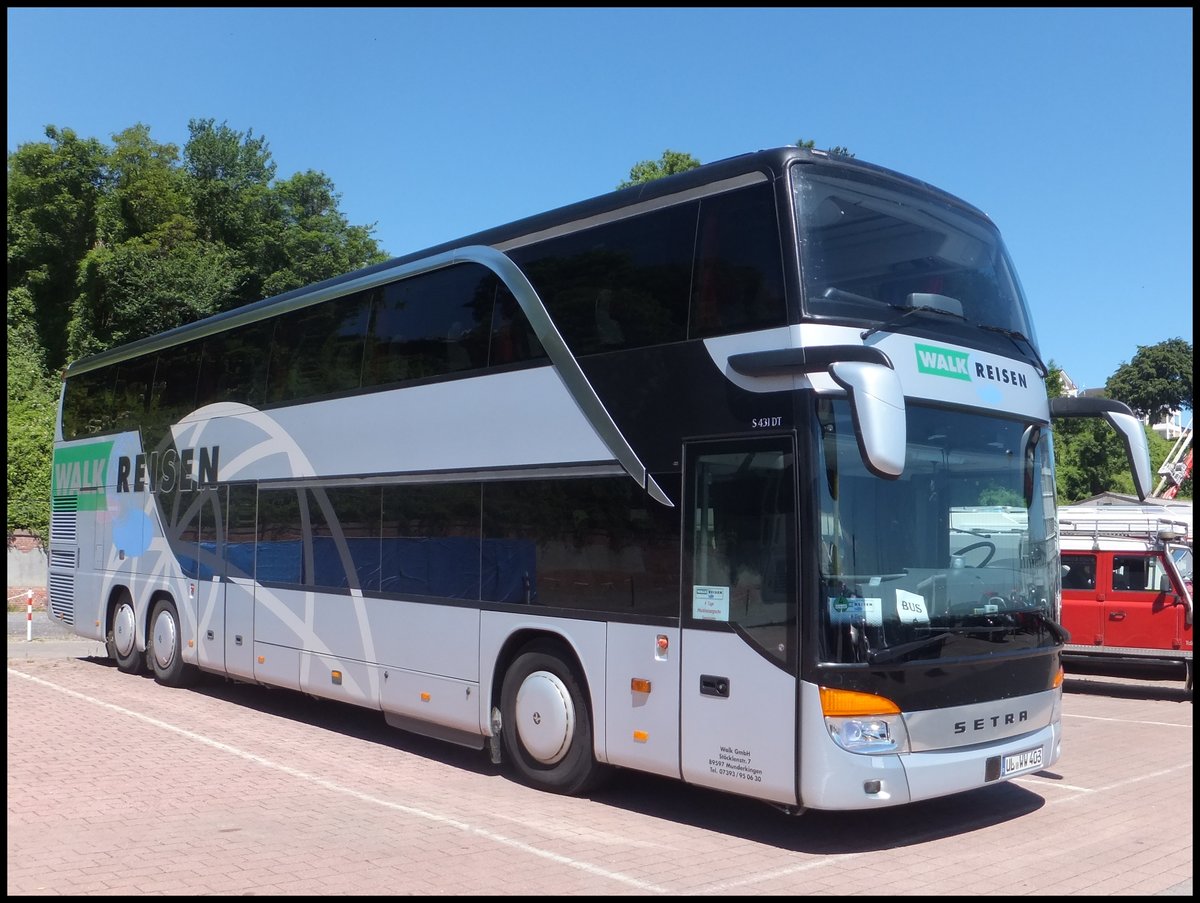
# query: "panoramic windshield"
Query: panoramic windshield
{"points": [[958, 557], [875, 249]]}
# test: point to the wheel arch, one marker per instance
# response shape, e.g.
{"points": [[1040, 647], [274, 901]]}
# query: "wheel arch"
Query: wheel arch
{"points": [[141, 614], [522, 639]]}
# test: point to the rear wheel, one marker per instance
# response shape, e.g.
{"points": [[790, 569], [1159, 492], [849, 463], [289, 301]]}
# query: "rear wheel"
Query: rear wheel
{"points": [[546, 725], [121, 641], [165, 647]]}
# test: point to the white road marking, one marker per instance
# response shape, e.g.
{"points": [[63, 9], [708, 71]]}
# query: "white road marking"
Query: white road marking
{"points": [[347, 791]]}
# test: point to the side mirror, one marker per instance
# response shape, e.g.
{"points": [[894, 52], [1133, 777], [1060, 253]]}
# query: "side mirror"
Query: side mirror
{"points": [[877, 401], [876, 396]]}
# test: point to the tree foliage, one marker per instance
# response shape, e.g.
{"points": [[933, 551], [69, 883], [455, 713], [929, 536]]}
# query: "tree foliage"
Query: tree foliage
{"points": [[53, 192], [1089, 455], [670, 163], [32, 401], [838, 149], [108, 244], [1157, 381]]}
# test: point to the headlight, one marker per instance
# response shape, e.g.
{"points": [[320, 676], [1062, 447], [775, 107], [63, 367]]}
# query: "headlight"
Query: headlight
{"points": [[863, 722]]}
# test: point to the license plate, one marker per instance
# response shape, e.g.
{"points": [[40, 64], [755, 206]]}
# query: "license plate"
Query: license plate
{"points": [[1022, 761]]}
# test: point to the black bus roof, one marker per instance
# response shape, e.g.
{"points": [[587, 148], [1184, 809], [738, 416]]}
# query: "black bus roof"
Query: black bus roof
{"points": [[772, 162]]}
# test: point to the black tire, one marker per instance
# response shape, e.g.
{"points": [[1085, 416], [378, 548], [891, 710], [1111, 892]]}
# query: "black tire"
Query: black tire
{"points": [[546, 723], [164, 648], [121, 640]]}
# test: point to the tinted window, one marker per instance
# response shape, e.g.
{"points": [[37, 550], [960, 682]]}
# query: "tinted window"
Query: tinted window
{"points": [[345, 532], [430, 325], [1135, 573], [872, 246], [234, 366], [513, 338], [131, 391], [175, 379], [592, 544], [279, 557], [240, 530], [318, 350], [430, 543], [87, 403], [620, 285], [738, 283], [184, 510]]}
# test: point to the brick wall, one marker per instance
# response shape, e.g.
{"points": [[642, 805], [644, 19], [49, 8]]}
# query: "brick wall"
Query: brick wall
{"points": [[26, 569]]}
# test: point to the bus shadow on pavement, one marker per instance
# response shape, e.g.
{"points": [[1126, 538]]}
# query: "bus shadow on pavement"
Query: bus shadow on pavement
{"points": [[357, 722], [813, 832], [820, 832]]}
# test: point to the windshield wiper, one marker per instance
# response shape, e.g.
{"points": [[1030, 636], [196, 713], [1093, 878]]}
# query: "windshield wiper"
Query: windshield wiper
{"points": [[892, 653], [1017, 337], [908, 312]]}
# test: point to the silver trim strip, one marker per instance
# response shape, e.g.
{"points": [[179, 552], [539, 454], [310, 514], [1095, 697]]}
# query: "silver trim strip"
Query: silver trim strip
{"points": [[568, 368], [750, 178], [450, 476], [510, 274]]}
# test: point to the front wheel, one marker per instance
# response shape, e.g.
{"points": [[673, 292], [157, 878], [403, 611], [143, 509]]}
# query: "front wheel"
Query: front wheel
{"points": [[166, 647], [546, 725], [121, 641]]}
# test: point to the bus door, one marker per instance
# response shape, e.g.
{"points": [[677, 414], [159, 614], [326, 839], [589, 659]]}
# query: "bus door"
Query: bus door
{"points": [[207, 588], [240, 541], [739, 617]]}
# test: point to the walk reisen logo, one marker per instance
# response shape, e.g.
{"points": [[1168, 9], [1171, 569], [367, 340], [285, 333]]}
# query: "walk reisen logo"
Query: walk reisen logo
{"points": [[80, 471], [953, 364], [943, 362]]}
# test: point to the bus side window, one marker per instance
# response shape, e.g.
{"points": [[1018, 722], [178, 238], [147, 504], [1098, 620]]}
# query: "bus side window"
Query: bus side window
{"points": [[234, 366], [618, 285], [738, 283], [513, 339], [429, 325]]}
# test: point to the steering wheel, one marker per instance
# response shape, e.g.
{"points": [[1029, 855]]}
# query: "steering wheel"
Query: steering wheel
{"points": [[983, 544]]}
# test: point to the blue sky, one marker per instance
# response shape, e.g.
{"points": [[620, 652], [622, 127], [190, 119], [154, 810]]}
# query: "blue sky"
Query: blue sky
{"points": [[1072, 129]]}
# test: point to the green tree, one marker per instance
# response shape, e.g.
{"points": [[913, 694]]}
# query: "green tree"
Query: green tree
{"points": [[1157, 381], [53, 191], [32, 402], [146, 286], [229, 176], [670, 163], [145, 190], [310, 239], [108, 245], [1089, 455]]}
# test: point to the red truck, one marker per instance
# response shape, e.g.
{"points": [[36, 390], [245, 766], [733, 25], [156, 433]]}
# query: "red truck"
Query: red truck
{"points": [[1127, 589]]}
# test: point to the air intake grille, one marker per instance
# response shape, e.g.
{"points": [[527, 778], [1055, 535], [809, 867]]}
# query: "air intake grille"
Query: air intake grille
{"points": [[64, 522], [62, 598]]}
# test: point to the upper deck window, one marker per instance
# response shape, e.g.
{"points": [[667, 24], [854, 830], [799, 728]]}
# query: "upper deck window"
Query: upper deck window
{"points": [[871, 250]]}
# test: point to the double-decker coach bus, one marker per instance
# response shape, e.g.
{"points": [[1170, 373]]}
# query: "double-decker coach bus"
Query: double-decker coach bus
{"points": [[677, 479]]}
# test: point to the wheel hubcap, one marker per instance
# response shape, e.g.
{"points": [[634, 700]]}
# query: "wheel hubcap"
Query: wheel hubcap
{"points": [[123, 624], [545, 717], [164, 639]]}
